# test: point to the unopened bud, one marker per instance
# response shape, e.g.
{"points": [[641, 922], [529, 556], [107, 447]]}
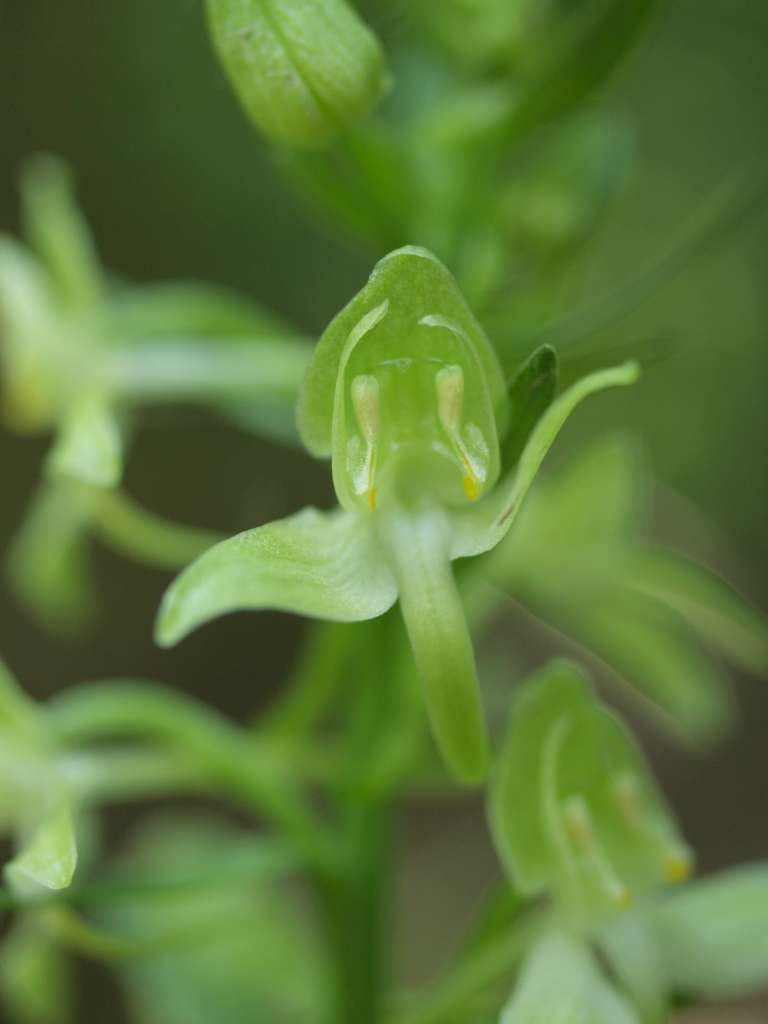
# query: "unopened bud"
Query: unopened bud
{"points": [[304, 70]]}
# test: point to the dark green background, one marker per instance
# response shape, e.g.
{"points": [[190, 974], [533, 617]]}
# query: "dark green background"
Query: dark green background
{"points": [[176, 184]]}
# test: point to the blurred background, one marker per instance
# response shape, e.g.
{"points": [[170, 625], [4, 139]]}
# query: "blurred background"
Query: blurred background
{"points": [[176, 184]]}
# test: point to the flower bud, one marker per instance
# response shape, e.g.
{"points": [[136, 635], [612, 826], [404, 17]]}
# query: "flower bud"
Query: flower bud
{"points": [[304, 70]]}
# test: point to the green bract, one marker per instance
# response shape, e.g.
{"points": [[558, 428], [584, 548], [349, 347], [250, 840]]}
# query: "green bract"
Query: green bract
{"points": [[303, 69], [406, 396], [573, 807]]}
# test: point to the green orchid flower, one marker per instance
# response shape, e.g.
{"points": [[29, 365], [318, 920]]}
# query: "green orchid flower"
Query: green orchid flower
{"points": [[574, 810], [81, 353], [406, 396], [34, 803]]}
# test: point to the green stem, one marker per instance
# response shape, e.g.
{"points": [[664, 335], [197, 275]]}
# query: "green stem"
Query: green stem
{"points": [[355, 907], [135, 532], [355, 904], [315, 681]]}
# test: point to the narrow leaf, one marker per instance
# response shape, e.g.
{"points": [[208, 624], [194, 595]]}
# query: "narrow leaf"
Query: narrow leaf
{"points": [[530, 393]]}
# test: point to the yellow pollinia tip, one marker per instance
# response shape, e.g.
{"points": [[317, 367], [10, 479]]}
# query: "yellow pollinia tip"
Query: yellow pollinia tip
{"points": [[677, 867], [623, 898]]}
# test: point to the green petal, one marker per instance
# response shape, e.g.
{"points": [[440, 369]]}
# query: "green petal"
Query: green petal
{"points": [[28, 331], [482, 528], [89, 447], [561, 984], [415, 285], [48, 560], [326, 565], [49, 855], [713, 935], [442, 647], [58, 233]]}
